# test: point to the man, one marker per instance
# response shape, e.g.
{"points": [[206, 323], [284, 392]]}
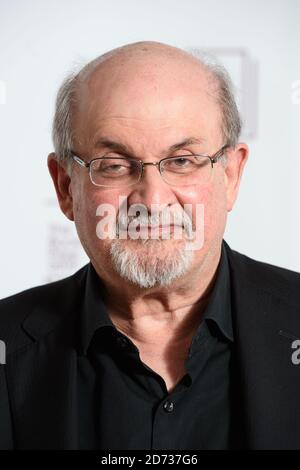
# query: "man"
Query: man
{"points": [[167, 339]]}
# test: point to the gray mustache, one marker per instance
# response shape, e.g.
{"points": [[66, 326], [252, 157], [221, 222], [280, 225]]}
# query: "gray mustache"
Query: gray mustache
{"points": [[153, 220]]}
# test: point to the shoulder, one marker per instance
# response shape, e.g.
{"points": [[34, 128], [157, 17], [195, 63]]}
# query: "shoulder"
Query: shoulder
{"points": [[52, 299], [275, 280], [46, 292]]}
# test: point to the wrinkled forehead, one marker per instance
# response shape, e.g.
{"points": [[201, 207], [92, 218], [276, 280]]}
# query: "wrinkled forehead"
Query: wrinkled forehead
{"points": [[156, 88]]}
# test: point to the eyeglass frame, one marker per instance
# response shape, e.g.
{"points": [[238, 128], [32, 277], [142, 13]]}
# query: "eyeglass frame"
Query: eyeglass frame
{"points": [[213, 159]]}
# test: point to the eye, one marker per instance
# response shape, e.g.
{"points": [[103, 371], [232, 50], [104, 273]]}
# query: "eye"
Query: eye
{"points": [[182, 163], [110, 167], [113, 167]]}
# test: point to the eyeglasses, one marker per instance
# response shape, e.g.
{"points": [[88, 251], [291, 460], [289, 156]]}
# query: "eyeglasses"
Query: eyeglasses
{"points": [[115, 171]]}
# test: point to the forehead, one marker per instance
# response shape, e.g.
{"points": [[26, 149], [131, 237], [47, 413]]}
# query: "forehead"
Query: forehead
{"points": [[154, 96]]}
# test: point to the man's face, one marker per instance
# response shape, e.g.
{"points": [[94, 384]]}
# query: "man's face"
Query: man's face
{"points": [[141, 111]]}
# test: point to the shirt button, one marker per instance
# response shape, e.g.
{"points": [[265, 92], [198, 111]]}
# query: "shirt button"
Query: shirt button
{"points": [[168, 406]]}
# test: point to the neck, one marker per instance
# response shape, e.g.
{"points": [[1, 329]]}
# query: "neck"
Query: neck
{"points": [[177, 309]]}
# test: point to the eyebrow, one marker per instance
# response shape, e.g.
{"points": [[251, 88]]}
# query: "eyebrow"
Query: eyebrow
{"points": [[119, 147]]}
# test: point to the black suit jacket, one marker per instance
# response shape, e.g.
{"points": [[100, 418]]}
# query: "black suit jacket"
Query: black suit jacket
{"points": [[38, 403]]}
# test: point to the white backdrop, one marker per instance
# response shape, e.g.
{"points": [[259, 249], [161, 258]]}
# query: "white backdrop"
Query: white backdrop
{"points": [[40, 41]]}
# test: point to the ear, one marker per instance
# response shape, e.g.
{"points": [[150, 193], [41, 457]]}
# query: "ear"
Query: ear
{"points": [[236, 160], [62, 184]]}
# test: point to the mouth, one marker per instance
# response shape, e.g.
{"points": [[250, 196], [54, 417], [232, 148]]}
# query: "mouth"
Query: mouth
{"points": [[158, 229]]}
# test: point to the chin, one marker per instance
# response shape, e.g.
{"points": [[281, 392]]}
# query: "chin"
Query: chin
{"points": [[154, 263]]}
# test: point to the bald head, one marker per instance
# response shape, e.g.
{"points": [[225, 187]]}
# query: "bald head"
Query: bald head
{"points": [[139, 75], [146, 64], [153, 54]]}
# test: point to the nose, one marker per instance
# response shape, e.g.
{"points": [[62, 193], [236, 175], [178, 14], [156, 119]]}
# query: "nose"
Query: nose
{"points": [[151, 189]]}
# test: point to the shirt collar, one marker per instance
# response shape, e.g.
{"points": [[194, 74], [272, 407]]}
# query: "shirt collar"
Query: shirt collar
{"points": [[94, 314], [219, 305]]}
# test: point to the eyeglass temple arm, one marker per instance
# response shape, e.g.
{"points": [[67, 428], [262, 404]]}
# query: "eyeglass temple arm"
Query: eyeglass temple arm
{"points": [[219, 154], [80, 161]]}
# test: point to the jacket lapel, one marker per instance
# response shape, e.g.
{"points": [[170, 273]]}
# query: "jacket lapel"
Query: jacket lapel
{"points": [[265, 326], [41, 375], [42, 383]]}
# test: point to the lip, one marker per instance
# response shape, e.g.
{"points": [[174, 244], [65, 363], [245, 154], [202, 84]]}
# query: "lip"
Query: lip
{"points": [[157, 228]]}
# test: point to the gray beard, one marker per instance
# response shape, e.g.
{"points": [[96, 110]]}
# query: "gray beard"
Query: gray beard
{"points": [[158, 267]]}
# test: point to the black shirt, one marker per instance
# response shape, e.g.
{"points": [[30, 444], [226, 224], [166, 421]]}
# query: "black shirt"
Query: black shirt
{"points": [[124, 404]]}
